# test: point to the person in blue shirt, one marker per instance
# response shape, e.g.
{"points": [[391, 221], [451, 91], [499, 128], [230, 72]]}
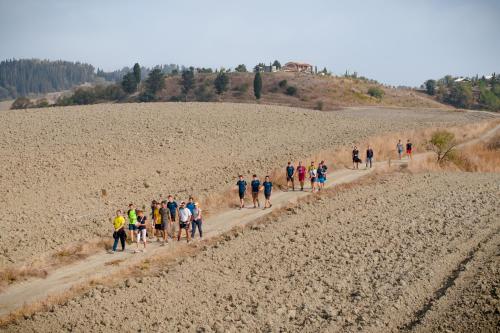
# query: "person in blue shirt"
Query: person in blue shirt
{"points": [[242, 188], [174, 212], [290, 170], [190, 204], [268, 186], [255, 191]]}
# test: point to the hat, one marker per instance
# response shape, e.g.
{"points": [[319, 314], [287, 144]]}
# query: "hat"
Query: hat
{"points": [[182, 203]]}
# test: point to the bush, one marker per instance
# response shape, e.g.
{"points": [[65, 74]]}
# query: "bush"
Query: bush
{"points": [[203, 94], [376, 92], [443, 144], [489, 100], [129, 83], [319, 105], [282, 84], [221, 83], [147, 97], [84, 96], [42, 103], [64, 100], [21, 103], [430, 87], [291, 91], [241, 68]]}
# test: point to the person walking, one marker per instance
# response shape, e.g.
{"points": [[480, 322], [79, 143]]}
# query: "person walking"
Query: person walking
{"points": [[141, 229], [184, 221], [355, 158], [399, 148], [157, 221], [174, 212], [313, 176], [301, 171], [151, 231], [165, 222], [132, 221], [255, 184], [290, 170], [321, 176], [242, 188], [409, 147], [196, 221], [369, 156], [119, 233], [190, 204], [268, 186]]}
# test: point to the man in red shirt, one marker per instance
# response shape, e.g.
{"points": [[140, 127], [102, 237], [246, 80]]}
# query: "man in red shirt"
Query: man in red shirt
{"points": [[301, 171]]}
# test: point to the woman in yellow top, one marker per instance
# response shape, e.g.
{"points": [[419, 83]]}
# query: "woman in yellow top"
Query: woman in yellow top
{"points": [[157, 220], [119, 233]]}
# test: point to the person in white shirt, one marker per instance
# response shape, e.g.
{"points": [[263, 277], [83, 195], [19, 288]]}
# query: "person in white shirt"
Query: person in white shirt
{"points": [[184, 221]]}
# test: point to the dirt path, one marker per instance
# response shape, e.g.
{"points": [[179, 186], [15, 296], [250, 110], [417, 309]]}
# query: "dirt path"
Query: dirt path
{"points": [[100, 265]]}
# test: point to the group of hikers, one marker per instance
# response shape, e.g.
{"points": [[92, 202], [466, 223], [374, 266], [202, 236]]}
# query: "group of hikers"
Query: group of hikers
{"points": [[169, 219]]}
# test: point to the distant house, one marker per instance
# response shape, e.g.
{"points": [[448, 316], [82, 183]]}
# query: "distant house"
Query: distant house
{"points": [[462, 79], [266, 69], [298, 67]]}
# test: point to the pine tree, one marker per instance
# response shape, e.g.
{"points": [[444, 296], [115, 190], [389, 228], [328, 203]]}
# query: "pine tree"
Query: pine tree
{"points": [[137, 73], [187, 81], [129, 84], [257, 85], [221, 82]]}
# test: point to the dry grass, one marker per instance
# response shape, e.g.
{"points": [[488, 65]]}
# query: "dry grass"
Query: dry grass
{"points": [[43, 265]]}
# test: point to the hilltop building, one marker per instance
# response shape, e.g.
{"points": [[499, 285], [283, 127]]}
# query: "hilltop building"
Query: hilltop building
{"points": [[298, 67]]}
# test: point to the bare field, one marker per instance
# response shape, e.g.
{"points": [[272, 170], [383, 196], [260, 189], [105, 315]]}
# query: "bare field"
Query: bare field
{"points": [[64, 171], [369, 258]]}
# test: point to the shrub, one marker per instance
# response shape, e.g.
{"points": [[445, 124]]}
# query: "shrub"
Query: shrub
{"points": [[202, 94], [21, 103], [319, 105], [129, 83], [241, 68], [42, 103], [84, 96], [64, 100], [291, 91], [443, 144], [430, 87], [221, 83], [376, 92], [147, 97], [282, 84]]}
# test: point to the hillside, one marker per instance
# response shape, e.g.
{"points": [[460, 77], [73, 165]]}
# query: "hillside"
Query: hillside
{"points": [[313, 91]]}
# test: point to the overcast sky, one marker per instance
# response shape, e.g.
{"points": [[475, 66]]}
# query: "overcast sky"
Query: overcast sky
{"points": [[400, 42]]}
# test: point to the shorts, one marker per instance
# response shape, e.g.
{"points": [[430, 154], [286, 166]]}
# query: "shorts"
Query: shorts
{"points": [[313, 179], [173, 216], [255, 195], [242, 195], [408, 151], [400, 151], [302, 178], [289, 178], [158, 227], [267, 195], [141, 234], [184, 225], [321, 180], [132, 227], [163, 226]]}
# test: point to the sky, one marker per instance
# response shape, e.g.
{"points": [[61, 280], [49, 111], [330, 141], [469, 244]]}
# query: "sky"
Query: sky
{"points": [[397, 42]]}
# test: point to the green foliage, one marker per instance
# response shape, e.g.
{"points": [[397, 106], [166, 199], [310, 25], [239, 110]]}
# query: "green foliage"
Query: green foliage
{"points": [[282, 84], [259, 67], [203, 94], [21, 103], [84, 96], [221, 83], [64, 100], [319, 105], [26, 76], [291, 91], [187, 81], [137, 73], [489, 99], [430, 87], [42, 103], [443, 144], [241, 68], [376, 92], [129, 84], [147, 97], [277, 64], [204, 70], [155, 82], [257, 85], [460, 95]]}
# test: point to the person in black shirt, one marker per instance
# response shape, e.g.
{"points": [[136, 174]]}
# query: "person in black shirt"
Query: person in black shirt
{"points": [[255, 191], [141, 229], [242, 188], [290, 170], [369, 156], [355, 158], [409, 148]]}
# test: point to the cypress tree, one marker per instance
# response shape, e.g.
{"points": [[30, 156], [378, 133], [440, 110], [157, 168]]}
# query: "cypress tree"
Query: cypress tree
{"points": [[137, 73], [257, 85]]}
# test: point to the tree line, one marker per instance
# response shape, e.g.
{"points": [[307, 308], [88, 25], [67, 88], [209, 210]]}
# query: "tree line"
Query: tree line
{"points": [[466, 92], [33, 76]]}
